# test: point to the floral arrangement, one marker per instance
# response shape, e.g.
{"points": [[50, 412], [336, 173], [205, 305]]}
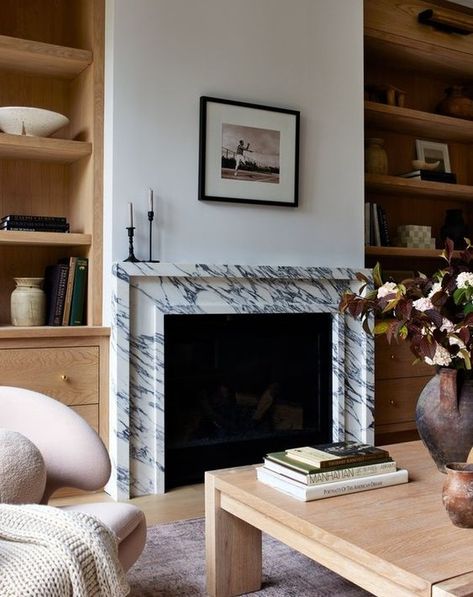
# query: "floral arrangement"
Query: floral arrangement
{"points": [[434, 314]]}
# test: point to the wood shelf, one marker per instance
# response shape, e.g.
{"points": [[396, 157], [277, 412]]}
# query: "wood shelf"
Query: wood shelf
{"points": [[44, 239], [406, 252], [43, 59], [395, 185], [80, 331], [417, 123], [46, 149]]}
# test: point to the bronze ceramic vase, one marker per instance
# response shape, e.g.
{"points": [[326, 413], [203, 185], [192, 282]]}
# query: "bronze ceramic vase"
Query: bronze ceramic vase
{"points": [[457, 494], [444, 417]]}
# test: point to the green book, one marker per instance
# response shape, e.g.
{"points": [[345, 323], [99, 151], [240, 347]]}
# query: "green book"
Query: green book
{"points": [[308, 469], [79, 292]]}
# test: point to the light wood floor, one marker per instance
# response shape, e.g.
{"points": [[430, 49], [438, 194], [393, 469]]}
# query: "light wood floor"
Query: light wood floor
{"points": [[178, 504]]}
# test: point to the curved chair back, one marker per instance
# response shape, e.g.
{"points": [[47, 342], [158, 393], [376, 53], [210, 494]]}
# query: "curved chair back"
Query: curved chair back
{"points": [[74, 454]]}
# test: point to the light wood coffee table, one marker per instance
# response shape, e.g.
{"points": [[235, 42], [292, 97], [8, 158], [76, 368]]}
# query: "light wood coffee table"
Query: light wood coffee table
{"points": [[396, 541]]}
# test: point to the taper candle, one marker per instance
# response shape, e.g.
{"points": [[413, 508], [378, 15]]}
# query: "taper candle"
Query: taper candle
{"points": [[130, 208], [151, 200]]}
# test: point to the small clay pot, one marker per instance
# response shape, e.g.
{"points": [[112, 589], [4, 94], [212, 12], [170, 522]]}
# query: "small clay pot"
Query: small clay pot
{"points": [[456, 104], [376, 159], [457, 493]]}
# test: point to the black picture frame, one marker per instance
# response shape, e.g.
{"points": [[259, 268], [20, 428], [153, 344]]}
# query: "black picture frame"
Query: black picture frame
{"points": [[269, 178]]}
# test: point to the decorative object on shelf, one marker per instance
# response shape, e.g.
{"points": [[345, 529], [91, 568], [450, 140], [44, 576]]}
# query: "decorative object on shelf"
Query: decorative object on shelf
{"points": [[415, 237], [434, 315], [28, 302], [423, 165], [456, 104], [386, 94], [432, 175], [446, 20], [376, 158], [248, 153], [454, 228], [32, 122], [150, 220], [131, 232], [457, 494], [431, 152]]}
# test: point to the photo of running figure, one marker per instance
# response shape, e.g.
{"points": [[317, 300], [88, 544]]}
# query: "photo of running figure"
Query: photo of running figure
{"points": [[250, 154]]}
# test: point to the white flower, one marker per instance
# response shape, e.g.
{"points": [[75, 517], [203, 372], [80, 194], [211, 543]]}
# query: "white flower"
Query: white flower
{"points": [[465, 280], [386, 288], [454, 341], [447, 325], [435, 288], [441, 357], [423, 304]]}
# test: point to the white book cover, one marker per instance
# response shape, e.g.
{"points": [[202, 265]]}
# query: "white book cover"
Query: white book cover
{"points": [[307, 493], [330, 476]]}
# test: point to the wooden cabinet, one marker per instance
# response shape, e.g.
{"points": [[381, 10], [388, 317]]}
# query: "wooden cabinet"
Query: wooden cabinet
{"points": [[73, 370], [51, 56], [398, 383]]}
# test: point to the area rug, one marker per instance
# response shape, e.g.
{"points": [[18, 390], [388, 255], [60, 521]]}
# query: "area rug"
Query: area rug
{"points": [[173, 565]]}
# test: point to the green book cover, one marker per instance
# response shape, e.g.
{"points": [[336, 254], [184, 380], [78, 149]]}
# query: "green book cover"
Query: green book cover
{"points": [[302, 467], [79, 292]]}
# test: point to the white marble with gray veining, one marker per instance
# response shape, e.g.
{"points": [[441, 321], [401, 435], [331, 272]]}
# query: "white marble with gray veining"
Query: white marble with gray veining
{"points": [[144, 292]]}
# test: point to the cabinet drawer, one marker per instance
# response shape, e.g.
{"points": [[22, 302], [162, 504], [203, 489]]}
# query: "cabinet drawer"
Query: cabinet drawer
{"points": [[68, 374], [396, 400], [393, 361], [89, 412]]}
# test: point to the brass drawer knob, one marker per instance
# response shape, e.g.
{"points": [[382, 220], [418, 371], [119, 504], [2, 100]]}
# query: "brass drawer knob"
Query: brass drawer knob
{"points": [[392, 403], [393, 357], [64, 378]]}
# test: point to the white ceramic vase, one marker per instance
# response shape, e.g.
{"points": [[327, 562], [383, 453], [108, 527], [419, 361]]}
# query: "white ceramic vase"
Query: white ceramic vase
{"points": [[28, 302]]}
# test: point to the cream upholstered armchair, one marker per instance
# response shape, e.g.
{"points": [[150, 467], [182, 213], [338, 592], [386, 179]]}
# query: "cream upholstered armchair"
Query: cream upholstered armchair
{"points": [[74, 456]]}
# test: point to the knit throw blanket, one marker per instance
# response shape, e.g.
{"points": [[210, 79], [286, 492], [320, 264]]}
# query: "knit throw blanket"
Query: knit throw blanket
{"points": [[45, 552]]}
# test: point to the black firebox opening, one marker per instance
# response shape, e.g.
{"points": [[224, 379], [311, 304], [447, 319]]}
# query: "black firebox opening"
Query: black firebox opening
{"points": [[239, 386]]}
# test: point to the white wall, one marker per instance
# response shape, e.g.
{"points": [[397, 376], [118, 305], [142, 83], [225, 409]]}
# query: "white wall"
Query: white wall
{"points": [[162, 55]]}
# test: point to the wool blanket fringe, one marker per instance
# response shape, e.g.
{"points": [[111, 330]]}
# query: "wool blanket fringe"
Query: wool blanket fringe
{"points": [[47, 552]]}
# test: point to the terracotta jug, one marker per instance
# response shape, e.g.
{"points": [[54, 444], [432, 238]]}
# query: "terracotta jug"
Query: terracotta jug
{"points": [[444, 417], [457, 493], [456, 104]]}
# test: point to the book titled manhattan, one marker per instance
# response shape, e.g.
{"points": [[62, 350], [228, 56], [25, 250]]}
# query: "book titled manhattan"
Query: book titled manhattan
{"points": [[279, 462], [307, 493], [337, 454]]}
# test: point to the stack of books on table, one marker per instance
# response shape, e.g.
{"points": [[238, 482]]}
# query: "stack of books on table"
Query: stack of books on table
{"points": [[327, 470], [34, 223]]}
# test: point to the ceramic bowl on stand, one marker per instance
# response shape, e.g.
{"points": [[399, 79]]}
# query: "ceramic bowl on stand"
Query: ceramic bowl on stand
{"points": [[32, 122]]}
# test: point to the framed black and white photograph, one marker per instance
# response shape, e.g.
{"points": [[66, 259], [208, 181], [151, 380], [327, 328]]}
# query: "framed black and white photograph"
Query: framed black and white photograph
{"points": [[248, 153], [432, 152]]}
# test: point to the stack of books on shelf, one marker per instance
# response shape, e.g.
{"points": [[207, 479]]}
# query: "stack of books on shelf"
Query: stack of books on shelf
{"points": [[431, 175], [327, 470], [34, 223], [65, 285], [376, 226]]}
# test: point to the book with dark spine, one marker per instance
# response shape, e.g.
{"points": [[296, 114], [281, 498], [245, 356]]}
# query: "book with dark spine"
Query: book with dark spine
{"points": [[79, 292], [55, 288], [32, 227], [383, 225], [71, 261], [22, 218]]}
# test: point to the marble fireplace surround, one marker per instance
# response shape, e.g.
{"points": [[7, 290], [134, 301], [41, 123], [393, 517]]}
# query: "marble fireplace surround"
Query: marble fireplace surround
{"points": [[143, 293]]}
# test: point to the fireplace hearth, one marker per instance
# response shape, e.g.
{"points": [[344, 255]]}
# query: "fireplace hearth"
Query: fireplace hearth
{"points": [[149, 299]]}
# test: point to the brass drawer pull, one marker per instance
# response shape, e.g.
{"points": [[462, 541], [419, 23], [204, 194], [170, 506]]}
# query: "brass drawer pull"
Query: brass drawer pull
{"points": [[392, 403], [64, 378]]}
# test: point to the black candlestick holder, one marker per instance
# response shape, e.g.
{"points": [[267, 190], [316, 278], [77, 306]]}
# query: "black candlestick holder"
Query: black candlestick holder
{"points": [[131, 250], [150, 219]]}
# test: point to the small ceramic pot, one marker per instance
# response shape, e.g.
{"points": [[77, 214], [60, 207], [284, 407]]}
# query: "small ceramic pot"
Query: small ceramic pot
{"points": [[28, 302], [458, 493], [456, 104]]}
